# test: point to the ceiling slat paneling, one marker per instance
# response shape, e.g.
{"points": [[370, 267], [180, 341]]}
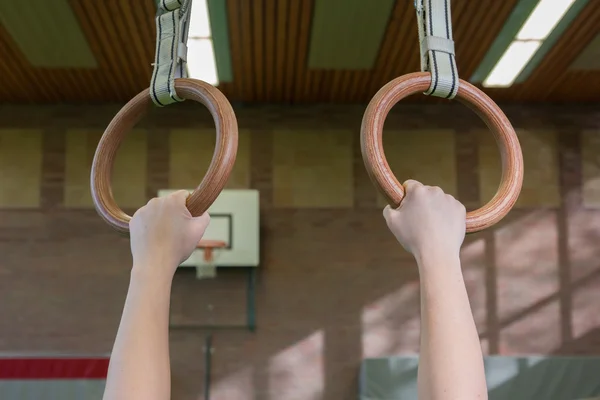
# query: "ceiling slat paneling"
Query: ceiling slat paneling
{"points": [[258, 48], [280, 49], [235, 37], [300, 78], [268, 18], [269, 43], [589, 58], [292, 49], [247, 46]]}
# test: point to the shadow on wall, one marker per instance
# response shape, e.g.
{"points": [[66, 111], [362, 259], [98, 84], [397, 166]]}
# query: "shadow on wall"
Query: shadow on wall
{"points": [[335, 287], [519, 299], [531, 279]]}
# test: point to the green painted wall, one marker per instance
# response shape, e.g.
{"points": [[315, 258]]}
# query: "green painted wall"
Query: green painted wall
{"points": [[217, 10], [347, 34], [47, 32]]}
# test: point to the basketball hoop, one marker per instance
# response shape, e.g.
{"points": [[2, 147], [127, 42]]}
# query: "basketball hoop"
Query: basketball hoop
{"points": [[210, 247]]}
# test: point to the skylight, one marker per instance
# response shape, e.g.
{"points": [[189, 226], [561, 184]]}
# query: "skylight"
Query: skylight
{"points": [[542, 21], [201, 55]]}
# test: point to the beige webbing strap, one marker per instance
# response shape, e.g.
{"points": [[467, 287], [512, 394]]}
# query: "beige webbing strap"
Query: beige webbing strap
{"points": [[437, 47], [172, 26]]}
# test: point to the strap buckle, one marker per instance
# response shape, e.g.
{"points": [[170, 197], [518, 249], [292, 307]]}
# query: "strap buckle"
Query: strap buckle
{"points": [[437, 46], [170, 60]]}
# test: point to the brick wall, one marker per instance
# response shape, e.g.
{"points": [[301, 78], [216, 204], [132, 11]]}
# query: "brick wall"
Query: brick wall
{"points": [[333, 286]]}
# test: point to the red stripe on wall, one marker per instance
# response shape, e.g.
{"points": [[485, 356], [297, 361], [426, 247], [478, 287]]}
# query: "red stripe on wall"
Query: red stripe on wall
{"points": [[53, 368]]}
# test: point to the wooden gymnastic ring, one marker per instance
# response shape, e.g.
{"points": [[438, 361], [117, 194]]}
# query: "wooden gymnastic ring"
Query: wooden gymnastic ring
{"points": [[218, 171], [510, 149]]}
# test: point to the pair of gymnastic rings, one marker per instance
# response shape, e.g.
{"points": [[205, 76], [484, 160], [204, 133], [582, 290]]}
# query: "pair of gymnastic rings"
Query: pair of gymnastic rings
{"points": [[371, 130], [371, 143]]}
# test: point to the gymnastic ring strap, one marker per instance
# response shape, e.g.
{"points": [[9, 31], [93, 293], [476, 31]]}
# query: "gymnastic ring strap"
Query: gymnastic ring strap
{"points": [[508, 143], [170, 57], [434, 21], [218, 172]]}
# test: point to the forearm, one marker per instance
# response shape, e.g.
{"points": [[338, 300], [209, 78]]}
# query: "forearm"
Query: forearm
{"points": [[139, 365], [451, 363]]}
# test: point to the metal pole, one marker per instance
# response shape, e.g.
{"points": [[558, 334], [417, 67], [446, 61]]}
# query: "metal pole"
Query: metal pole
{"points": [[251, 300]]}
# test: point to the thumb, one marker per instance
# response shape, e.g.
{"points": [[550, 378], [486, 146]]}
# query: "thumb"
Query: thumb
{"points": [[178, 200], [388, 211], [198, 226], [180, 196], [411, 185]]}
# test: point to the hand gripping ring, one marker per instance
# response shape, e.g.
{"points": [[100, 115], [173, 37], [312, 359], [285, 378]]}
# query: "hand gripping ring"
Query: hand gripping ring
{"points": [[510, 150], [218, 171]]}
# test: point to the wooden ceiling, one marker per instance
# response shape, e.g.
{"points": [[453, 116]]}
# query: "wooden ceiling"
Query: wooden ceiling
{"points": [[269, 45]]}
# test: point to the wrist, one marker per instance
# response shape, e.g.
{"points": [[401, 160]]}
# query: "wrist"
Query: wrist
{"points": [[431, 257], [152, 273], [149, 289]]}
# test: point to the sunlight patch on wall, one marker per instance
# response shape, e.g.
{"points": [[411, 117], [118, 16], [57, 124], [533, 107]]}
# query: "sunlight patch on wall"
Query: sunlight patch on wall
{"points": [[538, 332], [526, 260], [298, 372], [391, 323], [238, 385], [527, 269], [584, 235], [586, 318]]}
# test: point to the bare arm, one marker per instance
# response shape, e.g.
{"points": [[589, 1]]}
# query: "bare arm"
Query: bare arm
{"points": [[451, 363], [431, 225], [139, 364], [163, 234]]}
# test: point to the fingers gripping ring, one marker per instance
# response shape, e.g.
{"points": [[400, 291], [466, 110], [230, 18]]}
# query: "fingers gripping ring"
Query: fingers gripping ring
{"points": [[510, 150], [218, 171]]}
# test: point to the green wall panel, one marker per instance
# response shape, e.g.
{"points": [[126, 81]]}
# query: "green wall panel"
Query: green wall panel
{"points": [[347, 34], [47, 32], [217, 12]]}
